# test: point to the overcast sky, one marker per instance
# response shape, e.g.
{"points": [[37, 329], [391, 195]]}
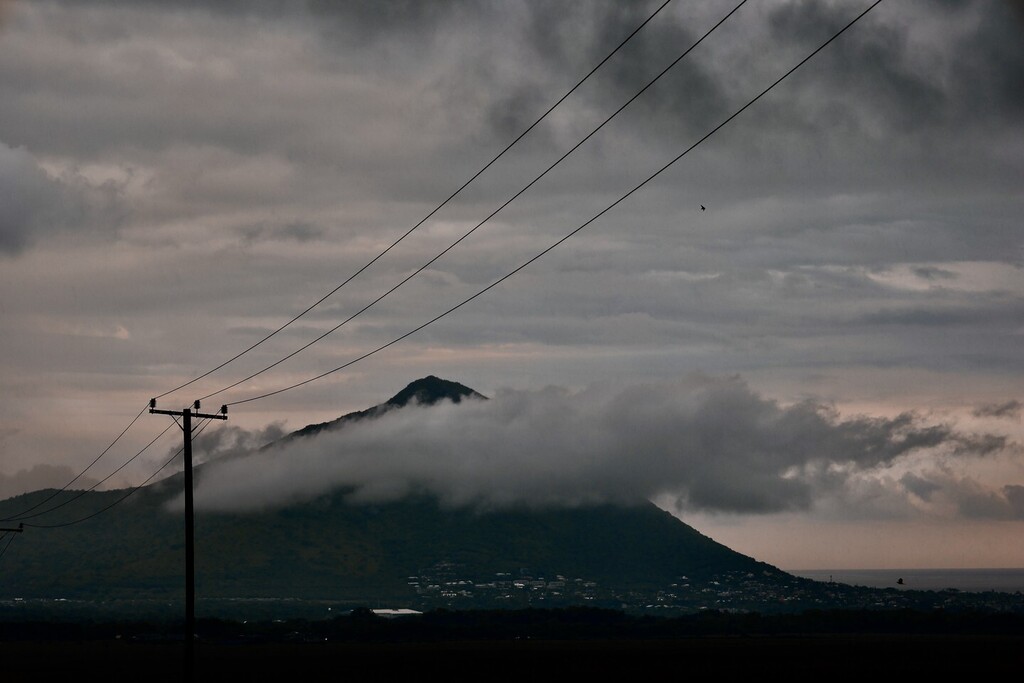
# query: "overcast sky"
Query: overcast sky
{"points": [[821, 369]]}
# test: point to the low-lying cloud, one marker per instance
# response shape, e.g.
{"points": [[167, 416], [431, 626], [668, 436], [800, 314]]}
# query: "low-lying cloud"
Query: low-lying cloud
{"points": [[41, 476], [710, 444]]}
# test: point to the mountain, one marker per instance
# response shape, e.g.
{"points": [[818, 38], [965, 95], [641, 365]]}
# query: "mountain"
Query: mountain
{"points": [[427, 391], [414, 552]]}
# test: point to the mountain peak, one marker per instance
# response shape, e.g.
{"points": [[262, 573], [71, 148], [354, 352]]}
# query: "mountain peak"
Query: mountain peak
{"points": [[426, 391], [430, 389]]}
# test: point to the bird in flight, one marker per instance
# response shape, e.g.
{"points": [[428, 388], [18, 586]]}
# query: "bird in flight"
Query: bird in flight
{"points": [[702, 208]]}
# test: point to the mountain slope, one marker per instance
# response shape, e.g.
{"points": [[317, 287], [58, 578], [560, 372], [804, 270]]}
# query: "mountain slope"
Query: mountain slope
{"points": [[403, 552]]}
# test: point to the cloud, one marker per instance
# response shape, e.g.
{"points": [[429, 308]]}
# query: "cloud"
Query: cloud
{"points": [[993, 63], [1015, 499], [41, 476], [31, 199], [712, 444], [895, 66], [298, 231], [933, 273], [278, 146], [225, 443], [971, 499], [919, 486], [36, 204], [1010, 409]]}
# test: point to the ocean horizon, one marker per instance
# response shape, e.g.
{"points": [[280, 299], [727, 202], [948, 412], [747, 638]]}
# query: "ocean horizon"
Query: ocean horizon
{"points": [[1006, 580]]}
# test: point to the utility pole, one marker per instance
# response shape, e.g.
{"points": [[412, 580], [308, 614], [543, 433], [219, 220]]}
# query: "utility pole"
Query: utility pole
{"points": [[190, 555]]}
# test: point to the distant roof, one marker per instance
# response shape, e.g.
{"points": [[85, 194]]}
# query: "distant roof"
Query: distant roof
{"points": [[395, 612]]}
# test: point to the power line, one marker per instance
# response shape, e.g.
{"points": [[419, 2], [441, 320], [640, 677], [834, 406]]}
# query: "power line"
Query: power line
{"points": [[9, 541], [569, 235], [500, 280], [93, 487], [425, 218], [367, 265], [491, 215], [79, 475], [122, 498]]}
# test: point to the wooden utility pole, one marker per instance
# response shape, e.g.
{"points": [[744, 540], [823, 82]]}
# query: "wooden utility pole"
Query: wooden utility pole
{"points": [[190, 555]]}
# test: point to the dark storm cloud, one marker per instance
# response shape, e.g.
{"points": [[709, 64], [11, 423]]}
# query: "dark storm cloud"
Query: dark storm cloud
{"points": [[869, 67], [992, 65], [687, 100], [713, 444], [519, 57], [907, 83], [1008, 409]]}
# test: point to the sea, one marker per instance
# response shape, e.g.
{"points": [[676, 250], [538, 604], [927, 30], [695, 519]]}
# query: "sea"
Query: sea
{"points": [[968, 580]]}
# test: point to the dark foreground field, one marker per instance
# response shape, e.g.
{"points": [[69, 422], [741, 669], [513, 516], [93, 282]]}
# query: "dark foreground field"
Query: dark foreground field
{"points": [[833, 655], [515, 644]]}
